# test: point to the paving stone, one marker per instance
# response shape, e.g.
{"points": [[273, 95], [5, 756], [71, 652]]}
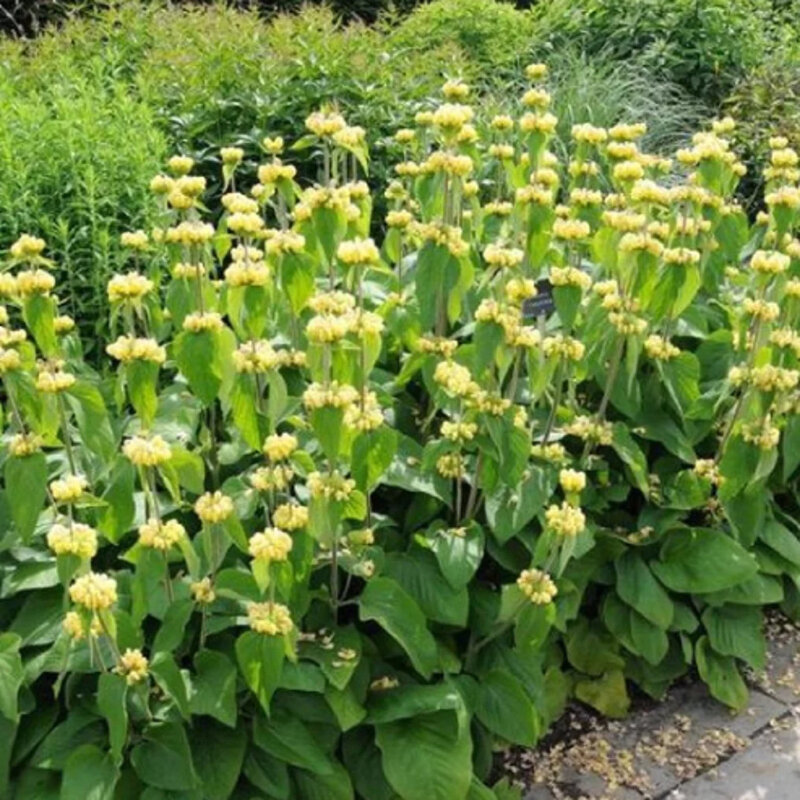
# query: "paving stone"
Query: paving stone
{"points": [[654, 751], [712, 733], [781, 678], [591, 790], [767, 770], [689, 747]]}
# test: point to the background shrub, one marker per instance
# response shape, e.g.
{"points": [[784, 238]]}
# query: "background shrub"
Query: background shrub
{"points": [[76, 157], [491, 33], [704, 45], [764, 101], [195, 77]]}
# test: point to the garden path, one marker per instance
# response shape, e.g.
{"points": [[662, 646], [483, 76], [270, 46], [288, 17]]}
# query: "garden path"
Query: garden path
{"points": [[689, 747]]}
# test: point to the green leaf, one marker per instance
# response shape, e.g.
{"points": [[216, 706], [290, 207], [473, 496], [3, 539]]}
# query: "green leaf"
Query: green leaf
{"points": [[428, 757], [218, 753], [721, 676], [173, 627], [640, 590], [417, 572], [170, 680], [737, 466], [373, 453], [93, 420], [608, 694], [790, 446], [509, 511], [267, 773], [116, 518], [214, 687], [286, 737], [336, 786], [363, 761], [345, 705], [89, 774], [735, 630], [459, 554], [436, 276], [8, 732], [781, 540], [478, 791], [329, 225], [260, 660], [532, 626], [687, 555], [278, 397], [591, 649], [243, 410], [80, 727], [488, 337], [567, 300], [514, 446], [328, 426], [26, 491], [38, 311], [504, 790], [33, 727], [163, 759], [746, 513], [648, 639], [189, 469], [411, 700], [11, 675], [681, 376], [111, 701], [632, 456], [386, 602], [196, 354], [142, 380], [30, 575], [39, 620], [658, 426], [338, 671], [760, 590], [297, 279], [505, 708]]}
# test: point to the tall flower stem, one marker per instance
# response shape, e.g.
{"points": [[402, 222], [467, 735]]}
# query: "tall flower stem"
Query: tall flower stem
{"points": [[62, 413], [551, 419]]}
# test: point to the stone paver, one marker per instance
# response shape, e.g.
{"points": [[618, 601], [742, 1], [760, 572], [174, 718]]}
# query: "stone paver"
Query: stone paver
{"points": [[781, 678], [767, 770], [688, 747]]}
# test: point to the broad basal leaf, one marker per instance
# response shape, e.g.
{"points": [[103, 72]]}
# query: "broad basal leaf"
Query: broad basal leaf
{"points": [[385, 601], [427, 757], [702, 560]]}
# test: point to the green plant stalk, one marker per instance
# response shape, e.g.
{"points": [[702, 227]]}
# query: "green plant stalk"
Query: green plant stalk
{"points": [[335, 576], [473, 489], [62, 413], [213, 454], [739, 405], [556, 401], [475, 648], [111, 640], [616, 360]]}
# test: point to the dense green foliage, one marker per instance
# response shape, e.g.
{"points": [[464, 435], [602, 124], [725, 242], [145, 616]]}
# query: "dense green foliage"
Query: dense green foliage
{"points": [[335, 521], [75, 160], [131, 77]]}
